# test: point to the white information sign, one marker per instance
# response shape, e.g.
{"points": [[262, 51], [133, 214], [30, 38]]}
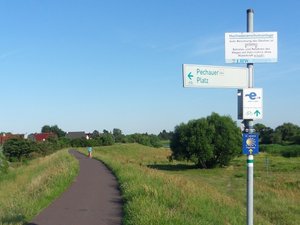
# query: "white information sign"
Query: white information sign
{"points": [[253, 103], [251, 47], [203, 76]]}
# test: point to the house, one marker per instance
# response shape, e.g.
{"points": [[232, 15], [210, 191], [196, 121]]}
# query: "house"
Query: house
{"points": [[77, 134], [6, 136], [39, 137]]}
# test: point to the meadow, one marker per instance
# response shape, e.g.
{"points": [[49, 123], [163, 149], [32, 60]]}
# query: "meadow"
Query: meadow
{"points": [[28, 188], [157, 191]]}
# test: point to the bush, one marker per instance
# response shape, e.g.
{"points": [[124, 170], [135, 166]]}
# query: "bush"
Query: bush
{"points": [[208, 142], [144, 139], [290, 151], [79, 142], [106, 139], [17, 149]]}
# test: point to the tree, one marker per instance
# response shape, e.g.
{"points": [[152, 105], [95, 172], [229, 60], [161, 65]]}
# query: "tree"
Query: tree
{"points": [[265, 133], [105, 131], [287, 132], [119, 137], [107, 139], [46, 129], [164, 135], [208, 142], [95, 134], [53, 129]]}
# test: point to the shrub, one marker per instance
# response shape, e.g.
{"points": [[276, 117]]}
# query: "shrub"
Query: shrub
{"points": [[16, 149], [207, 142], [144, 139], [291, 151]]}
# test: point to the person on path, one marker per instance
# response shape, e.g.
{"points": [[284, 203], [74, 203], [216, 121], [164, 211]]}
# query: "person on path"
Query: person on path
{"points": [[90, 149]]}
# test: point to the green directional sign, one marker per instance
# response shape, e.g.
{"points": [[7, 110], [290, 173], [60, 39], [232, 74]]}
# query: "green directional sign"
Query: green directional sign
{"points": [[203, 76]]}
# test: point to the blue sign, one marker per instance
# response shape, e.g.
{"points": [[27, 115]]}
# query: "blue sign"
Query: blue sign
{"points": [[250, 144]]}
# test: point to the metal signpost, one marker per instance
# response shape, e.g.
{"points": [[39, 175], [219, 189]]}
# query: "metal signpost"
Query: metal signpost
{"points": [[249, 129], [248, 47]]}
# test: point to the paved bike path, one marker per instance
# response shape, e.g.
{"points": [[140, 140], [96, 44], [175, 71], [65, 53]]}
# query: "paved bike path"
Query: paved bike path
{"points": [[92, 199]]}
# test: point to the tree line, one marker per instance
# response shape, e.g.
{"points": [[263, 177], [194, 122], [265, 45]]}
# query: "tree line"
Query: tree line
{"points": [[287, 133], [208, 142], [17, 150]]}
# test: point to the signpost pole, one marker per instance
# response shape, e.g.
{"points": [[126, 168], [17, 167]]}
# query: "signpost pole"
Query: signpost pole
{"points": [[249, 129]]}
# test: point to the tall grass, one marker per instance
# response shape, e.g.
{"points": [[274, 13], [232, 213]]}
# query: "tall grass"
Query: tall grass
{"points": [[27, 189]]}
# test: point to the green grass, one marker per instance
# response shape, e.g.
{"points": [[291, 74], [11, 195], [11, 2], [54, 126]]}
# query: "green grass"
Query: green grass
{"points": [[159, 192], [283, 150], [29, 188]]}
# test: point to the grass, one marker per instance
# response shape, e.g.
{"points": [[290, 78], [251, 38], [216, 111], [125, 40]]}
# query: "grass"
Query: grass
{"points": [[284, 150], [29, 188], [159, 192]]}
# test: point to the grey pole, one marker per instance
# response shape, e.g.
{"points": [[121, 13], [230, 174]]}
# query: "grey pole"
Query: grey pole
{"points": [[249, 129]]}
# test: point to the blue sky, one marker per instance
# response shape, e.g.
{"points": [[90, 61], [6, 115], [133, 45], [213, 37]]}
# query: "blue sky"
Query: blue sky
{"points": [[104, 64]]}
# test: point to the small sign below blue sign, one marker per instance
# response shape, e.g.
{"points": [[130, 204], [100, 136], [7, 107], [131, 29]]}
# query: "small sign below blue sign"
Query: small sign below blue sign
{"points": [[250, 144]]}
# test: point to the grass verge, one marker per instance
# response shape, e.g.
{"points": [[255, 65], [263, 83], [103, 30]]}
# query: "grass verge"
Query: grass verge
{"points": [[29, 188]]}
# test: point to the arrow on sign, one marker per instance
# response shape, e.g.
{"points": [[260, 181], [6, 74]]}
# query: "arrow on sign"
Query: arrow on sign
{"points": [[257, 112], [190, 75]]}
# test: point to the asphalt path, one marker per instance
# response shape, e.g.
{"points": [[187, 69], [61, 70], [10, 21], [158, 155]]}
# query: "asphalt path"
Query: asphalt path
{"points": [[93, 198]]}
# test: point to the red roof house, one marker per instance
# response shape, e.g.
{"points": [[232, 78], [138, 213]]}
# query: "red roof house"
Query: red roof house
{"points": [[4, 137], [41, 136]]}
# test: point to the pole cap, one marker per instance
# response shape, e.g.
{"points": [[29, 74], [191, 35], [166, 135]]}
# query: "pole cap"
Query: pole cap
{"points": [[250, 11]]}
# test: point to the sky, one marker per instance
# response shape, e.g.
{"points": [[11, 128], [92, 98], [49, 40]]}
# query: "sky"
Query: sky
{"points": [[88, 65]]}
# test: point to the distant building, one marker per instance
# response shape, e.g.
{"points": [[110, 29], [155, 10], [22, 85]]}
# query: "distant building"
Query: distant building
{"points": [[6, 136], [77, 134], [39, 137]]}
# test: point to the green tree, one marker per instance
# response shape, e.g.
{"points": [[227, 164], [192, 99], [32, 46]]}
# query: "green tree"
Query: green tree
{"points": [[208, 142], [119, 137], [54, 129], [164, 135], [107, 139], [95, 134], [46, 129], [287, 131], [265, 133]]}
